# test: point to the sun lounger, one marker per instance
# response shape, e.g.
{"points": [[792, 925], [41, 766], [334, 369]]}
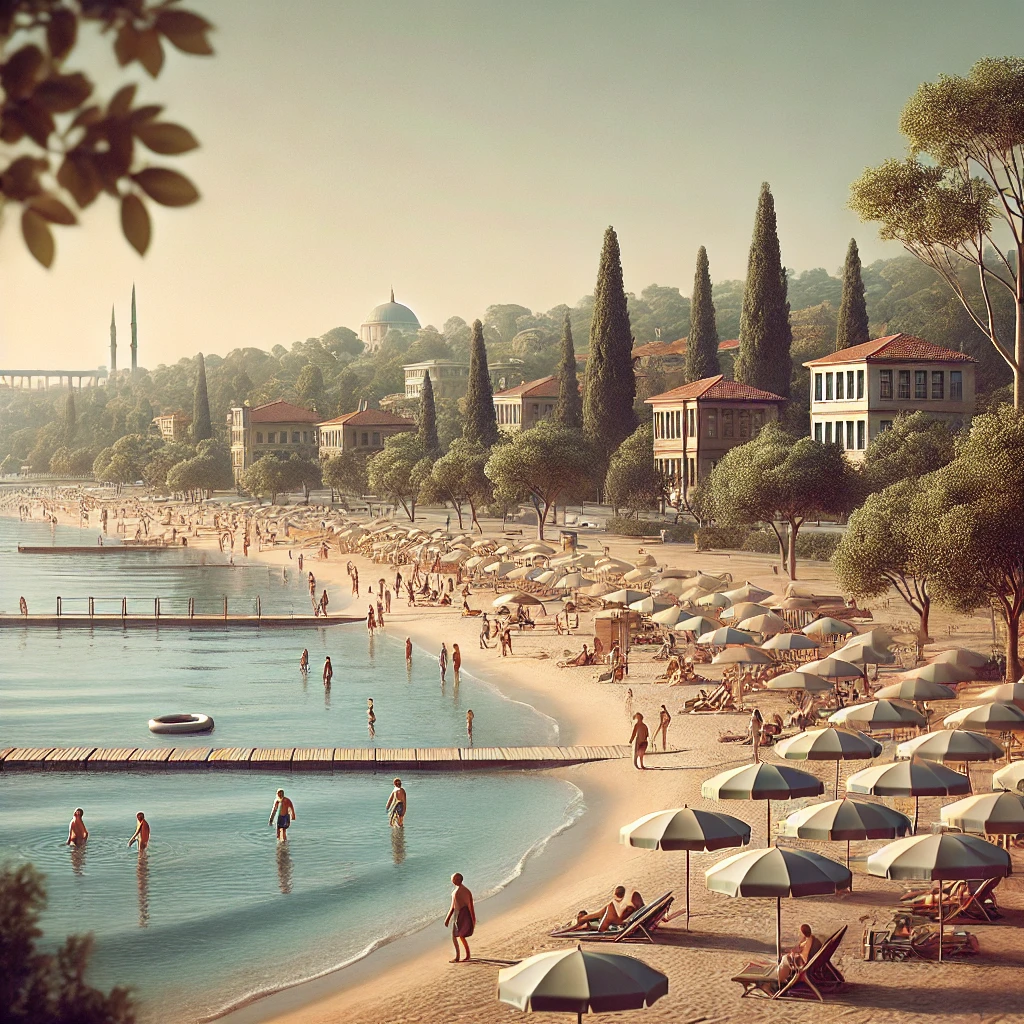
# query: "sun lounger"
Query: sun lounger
{"points": [[979, 904], [817, 978], [903, 939], [639, 926]]}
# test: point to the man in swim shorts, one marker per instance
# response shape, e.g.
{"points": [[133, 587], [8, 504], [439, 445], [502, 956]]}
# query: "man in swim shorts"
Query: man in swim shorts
{"points": [[141, 833], [639, 739], [397, 805], [462, 916], [285, 811], [77, 832]]}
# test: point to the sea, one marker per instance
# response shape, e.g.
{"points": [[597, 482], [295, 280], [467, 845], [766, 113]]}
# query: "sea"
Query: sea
{"points": [[217, 912]]}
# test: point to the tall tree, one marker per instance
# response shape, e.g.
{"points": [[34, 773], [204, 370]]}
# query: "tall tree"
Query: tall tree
{"points": [[765, 334], [427, 419], [202, 429], [310, 386], [481, 424], [632, 482], [852, 328], [608, 416], [958, 199], [702, 343], [569, 410]]}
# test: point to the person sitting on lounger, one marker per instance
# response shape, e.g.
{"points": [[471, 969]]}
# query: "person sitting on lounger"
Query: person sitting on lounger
{"points": [[615, 914], [583, 658], [797, 957]]}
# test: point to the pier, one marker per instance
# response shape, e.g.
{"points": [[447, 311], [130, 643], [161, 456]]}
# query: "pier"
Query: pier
{"points": [[97, 549], [317, 759]]}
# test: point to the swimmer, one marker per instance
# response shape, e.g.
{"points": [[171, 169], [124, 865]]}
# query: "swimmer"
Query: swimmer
{"points": [[141, 833], [77, 832], [304, 661], [397, 805], [285, 811]]}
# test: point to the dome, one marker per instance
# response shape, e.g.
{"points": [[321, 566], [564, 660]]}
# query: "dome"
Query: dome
{"points": [[392, 313]]}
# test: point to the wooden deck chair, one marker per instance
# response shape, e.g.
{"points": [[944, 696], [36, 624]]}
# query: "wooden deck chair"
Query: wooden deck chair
{"points": [[638, 926], [818, 974], [978, 905]]}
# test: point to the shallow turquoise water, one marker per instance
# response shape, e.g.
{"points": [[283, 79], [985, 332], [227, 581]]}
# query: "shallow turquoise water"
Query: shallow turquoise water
{"points": [[218, 911]]}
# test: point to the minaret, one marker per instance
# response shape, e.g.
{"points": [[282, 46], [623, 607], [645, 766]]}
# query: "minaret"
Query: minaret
{"points": [[392, 294], [113, 343], [135, 336]]}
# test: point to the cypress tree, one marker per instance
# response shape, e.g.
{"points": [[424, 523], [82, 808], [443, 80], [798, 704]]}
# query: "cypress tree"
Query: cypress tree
{"points": [[569, 411], [481, 425], [852, 326], [201, 426], [608, 417], [427, 420], [765, 334], [702, 344]]}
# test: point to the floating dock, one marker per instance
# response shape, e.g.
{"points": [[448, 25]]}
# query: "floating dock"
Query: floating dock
{"points": [[162, 621], [96, 549], [317, 759]]}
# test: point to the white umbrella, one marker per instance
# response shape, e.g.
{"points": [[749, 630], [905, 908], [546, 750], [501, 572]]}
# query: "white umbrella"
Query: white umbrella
{"points": [[877, 714], [828, 627], [767, 624], [668, 616], [713, 601], [743, 610], [748, 592], [806, 681], [647, 605], [517, 597], [1006, 693], [725, 637], [915, 689], [961, 656], [834, 668], [829, 744], [989, 814], [1010, 778], [993, 717], [744, 655], [790, 642], [672, 586]]}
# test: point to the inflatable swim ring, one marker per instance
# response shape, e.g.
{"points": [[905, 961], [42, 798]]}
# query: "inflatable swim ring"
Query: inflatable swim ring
{"points": [[181, 724]]}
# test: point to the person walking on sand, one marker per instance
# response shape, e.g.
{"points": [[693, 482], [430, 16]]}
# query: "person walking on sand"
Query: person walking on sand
{"points": [[77, 832], [462, 917], [141, 833], [756, 728], [469, 725], [629, 701], [285, 811], [442, 662], [485, 632], [397, 805], [304, 661], [328, 671], [323, 604], [639, 738], [456, 662], [408, 650], [664, 721], [380, 613]]}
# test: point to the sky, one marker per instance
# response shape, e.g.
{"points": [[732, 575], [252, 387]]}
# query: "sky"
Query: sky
{"points": [[470, 152]]}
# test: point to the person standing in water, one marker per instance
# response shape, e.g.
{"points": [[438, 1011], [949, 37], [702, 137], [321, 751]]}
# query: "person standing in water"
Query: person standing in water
{"points": [[469, 725], [285, 811], [77, 832], [397, 805], [462, 917], [141, 833], [408, 650], [371, 620], [442, 662], [371, 716], [328, 671], [456, 662], [304, 661]]}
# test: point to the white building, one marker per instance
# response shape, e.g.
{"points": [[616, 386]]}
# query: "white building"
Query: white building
{"points": [[388, 316]]}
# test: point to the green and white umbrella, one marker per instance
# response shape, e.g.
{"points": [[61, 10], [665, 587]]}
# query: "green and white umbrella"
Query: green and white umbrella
{"points": [[725, 637], [685, 828], [963, 657], [945, 857], [1005, 693], [650, 603], [791, 642], [863, 654], [827, 626], [995, 716], [806, 681], [990, 814], [745, 655], [715, 600], [915, 689], [877, 714], [625, 596], [941, 672], [698, 624], [743, 610], [957, 745], [767, 624], [748, 592], [668, 616], [914, 778], [777, 873], [1010, 778], [834, 668], [580, 981], [829, 744]]}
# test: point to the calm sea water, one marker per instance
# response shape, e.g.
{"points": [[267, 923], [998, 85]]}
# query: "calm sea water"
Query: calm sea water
{"points": [[218, 911]]}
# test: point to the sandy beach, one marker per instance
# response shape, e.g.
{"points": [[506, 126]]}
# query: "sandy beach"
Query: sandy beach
{"points": [[410, 980]]}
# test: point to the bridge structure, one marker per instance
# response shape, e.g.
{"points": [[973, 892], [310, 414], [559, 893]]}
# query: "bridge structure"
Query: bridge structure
{"points": [[41, 380]]}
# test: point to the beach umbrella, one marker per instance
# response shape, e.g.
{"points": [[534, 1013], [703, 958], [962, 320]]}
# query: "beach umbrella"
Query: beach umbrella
{"points": [[993, 717], [955, 745], [613, 565], [790, 642], [672, 586], [499, 568], [1007, 693], [549, 577], [693, 594], [668, 616], [713, 600], [962, 657], [646, 560], [806, 681], [725, 636], [834, 668], [520, 574], [599, 590], [580, 981], [743, 610], [877, 714], [778, 872], [744, 655], [829, 744], [698, 624], [584, 560], [689, 829], [516, 597], [766, 624], [797, 604], [990, 814], [940, 858], [761, 781], [639, 575], [650, 604], [864, 654], [573, 581], [1010, 778], [625, 596], [538, 547], [748, 592], [941, 672], [827, 626], [915, 689], [914, 778]]}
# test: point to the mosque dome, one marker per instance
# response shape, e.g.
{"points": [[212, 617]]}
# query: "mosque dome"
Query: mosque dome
{"points": [[385, 317]]}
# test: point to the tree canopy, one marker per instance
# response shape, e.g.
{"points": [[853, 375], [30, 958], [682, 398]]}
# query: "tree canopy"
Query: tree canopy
{"points": [[458, 478], [632, 483], [481, 424], [398, 471], [569, 410], [914, 446], [345, 473], [202, 428]]}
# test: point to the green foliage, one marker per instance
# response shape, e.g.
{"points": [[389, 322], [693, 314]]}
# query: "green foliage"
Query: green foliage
{"points": [[265, 478], [569, 410], [765, 336], [632, 483], [345, 473], [852, 326], [679, 533], [721, 538], [310, 387], [543, 465], [47, 988], [207, 471], [427, 420], [70, 419], [481, 425], [915, 446], [398, 471], [163, 460], [702, 342], [124, 461], [458, 478], [65, 145], [608, 417], [202, 429]]}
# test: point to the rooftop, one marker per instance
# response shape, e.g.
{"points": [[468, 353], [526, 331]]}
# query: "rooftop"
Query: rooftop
{"points": [[368, 418], [544, 387], [896, 348], [715, 389], [281, 412], [392, 313], [657, 349]]}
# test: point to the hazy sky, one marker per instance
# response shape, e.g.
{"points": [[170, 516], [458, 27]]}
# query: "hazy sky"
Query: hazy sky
{"points": [[473, 152]]}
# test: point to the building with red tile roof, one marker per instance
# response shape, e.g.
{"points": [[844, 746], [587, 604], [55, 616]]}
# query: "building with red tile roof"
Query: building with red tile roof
{"points": [[364, 430], [526, 405], [275, 428]]}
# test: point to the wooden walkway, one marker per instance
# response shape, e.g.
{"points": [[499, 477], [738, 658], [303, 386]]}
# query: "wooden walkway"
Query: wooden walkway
{"points": [[317, 759], [150, 621], [95, 549]]}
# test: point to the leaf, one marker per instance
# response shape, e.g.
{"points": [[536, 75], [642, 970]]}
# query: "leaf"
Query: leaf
{"points": [[150, 51], [86, 117], [20, 180], [61, 32], [18, 74], [167, 187], [135, 223], [38, 237], [187, 31], [36, 120], [52, 209], [146, 113], [121, 102], [166, 138], [79, 176], [126, 44], [63, 93]]}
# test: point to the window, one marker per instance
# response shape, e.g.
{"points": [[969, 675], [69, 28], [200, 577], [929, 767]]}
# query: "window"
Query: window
{"points": [[817, 387], [828, 387], [938, 384], [884, 425], [305, 437], [904, 384], [817, 431], [727, 417], [920, 384], [295, 437], [849, 384], [849, 434], [693, 471], [744, 423], [860, 435], [885, 383], [364, 439], [828, 432], [376, 439], [536, 408], [839, 387], [259, 437], [691, 421], [956, 384], [677, 423], [860, 383], [712, 423], [757, 420]]}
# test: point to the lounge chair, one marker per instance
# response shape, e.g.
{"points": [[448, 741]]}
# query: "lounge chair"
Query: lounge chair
{"points": [[978, 903], [640, 925], [903, 938], [817, 978]]}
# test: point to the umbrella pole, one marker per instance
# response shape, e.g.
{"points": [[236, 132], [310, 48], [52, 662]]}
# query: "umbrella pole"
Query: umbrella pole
{"points": [[687, 890], [917, 804], [778, 929], [837, 778], [768, 836], [848, 863], [940, 920]]}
